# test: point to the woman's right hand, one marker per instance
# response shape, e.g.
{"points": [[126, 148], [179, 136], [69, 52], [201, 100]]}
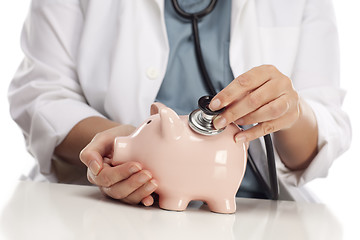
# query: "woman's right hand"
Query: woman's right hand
{"points": [[127, 182]]}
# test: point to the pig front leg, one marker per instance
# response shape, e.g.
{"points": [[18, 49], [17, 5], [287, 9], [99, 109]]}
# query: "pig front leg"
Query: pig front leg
{"points": [[223, 205], [172, 202]]}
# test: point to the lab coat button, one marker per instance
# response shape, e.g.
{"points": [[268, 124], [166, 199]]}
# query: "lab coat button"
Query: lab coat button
{"points": [[152, 73]]}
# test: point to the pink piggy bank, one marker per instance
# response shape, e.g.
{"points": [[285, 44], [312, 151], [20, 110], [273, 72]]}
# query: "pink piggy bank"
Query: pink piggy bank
{"points": [[187, 165]]}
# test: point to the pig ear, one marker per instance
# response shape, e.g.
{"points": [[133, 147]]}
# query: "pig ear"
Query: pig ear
{"points": [[156, 107], [171, 125]]}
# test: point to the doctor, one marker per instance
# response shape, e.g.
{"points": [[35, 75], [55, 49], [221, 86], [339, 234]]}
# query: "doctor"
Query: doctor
{"points": [[93, 68]]}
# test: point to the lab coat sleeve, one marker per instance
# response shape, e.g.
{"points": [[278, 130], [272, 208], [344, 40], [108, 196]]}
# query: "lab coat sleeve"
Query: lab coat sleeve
{"points": [[316, 78], [46, 99]]}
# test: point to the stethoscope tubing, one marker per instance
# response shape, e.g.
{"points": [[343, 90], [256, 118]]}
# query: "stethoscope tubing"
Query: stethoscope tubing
{"points": [[274, 185], [199, 14], [194, 17], [200, 57]]}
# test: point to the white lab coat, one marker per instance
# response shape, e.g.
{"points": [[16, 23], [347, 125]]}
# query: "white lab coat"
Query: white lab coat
{"points": [[108, 58]]}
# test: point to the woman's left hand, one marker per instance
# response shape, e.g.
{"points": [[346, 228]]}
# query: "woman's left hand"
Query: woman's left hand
{"points": [[262, 95]]}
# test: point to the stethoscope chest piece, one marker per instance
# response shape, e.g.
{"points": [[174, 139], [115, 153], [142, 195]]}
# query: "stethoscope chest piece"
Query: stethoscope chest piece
{"points": [[201, 119]]}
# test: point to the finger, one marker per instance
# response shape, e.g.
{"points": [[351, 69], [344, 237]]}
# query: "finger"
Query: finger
{"points": [[112, 175], [148, 200], [273, 110], [92, 160], [99, 146], [107, 160], [92, 177], [123, 189], [142, 194], [267, 127], [241, 85], [250, 103]]}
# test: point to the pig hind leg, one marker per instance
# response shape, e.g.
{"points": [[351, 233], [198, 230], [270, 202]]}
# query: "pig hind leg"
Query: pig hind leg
{"points": [[223, 205]]}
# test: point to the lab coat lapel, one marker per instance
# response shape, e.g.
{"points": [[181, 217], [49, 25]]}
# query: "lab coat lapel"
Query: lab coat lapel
{"points": [[160, 4], [145, 49], [245, 48]]}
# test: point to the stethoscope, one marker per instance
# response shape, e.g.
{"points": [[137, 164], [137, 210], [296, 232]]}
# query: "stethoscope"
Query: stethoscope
{"points": [[200, 120]]}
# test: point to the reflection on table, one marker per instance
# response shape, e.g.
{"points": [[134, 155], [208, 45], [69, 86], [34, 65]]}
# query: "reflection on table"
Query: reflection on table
{"points": [[57, 211]]}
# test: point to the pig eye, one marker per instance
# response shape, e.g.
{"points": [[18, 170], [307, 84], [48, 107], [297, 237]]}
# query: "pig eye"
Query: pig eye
{"points": [[148, 122]]}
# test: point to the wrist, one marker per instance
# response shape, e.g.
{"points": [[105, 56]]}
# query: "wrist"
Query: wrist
{"points": [[297, 145], [80, 135]]}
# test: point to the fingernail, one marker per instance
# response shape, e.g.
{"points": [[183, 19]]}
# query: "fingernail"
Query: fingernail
{"points": [[151, 186], [215, 104], [219, 122], [147, 202], [144, 177], [135, 168], [91, 175], [95, 167]]}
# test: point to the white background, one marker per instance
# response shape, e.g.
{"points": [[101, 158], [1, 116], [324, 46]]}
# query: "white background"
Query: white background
{"points": [[340, 190]]}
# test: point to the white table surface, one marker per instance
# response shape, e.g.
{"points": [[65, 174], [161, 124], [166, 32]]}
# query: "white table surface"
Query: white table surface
{"points": [[57, 211]]}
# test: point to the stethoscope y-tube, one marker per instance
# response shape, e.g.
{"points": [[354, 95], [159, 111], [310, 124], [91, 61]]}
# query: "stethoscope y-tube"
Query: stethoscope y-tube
{"points": [[273, 190]]}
